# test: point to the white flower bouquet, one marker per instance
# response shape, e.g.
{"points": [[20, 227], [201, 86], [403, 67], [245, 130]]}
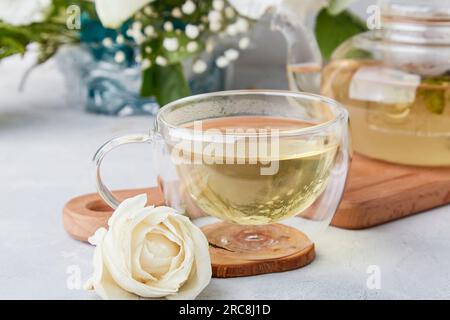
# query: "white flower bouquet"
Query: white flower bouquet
{"points": [[159, 36], [154, 46]]}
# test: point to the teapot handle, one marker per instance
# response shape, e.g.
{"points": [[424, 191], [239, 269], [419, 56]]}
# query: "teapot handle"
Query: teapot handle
{"points": [[304, 60]]}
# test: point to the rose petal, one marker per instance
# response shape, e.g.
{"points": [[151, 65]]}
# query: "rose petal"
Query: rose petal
{"points": [[128, 207], [102, 282], [98, 236], [113, 12], [201, 274], [133, 286], [137, 244], [139, 235], [157, 254], [180, 271]]}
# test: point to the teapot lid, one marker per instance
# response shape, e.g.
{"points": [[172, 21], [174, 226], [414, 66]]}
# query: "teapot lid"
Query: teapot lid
{"points": [[430, 10]]}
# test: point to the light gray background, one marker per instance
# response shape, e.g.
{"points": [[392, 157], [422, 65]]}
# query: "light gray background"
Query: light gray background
{"points": [[45, 159]]}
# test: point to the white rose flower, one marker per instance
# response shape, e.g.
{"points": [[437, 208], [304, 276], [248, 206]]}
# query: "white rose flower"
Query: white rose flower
{"points": [[23, 12], [149, 252], [113, 13], [299, 8]]}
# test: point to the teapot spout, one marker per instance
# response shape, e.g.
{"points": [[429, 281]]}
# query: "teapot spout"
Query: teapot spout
{"points": [[304, 60]]}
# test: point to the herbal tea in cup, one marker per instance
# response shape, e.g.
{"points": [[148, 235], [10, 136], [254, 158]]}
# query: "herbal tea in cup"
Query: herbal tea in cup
{"points": [[282, 177], [250, 158]]}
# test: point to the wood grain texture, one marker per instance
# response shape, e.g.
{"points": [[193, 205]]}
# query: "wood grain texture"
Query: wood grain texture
{"points": [[291, 249], [83, 215], [379, 192]]}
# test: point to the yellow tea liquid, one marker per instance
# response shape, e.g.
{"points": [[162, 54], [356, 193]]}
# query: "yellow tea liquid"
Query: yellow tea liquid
{"points": [[236, 191], [415, 133]]}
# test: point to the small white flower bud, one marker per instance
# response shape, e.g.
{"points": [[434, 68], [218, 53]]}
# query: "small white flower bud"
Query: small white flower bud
{"points": [[138, 37], [176, 13], [119, 57], [188, 7], [168, 26], [214, 16], [148, 10], [218, 5], [107, 42], [137, 25], [242, 25], [149, 31], [231, 30], [161, 61], [199, 66], [244, 43], [222, 62], [230, 13], [209, 46], [192, 46], [231, 54], [215, 26], [120, 39], [192, 31], [146, 63], [170, 44]]}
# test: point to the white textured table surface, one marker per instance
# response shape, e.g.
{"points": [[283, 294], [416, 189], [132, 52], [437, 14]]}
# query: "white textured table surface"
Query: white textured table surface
{"points": [[45, 153]]}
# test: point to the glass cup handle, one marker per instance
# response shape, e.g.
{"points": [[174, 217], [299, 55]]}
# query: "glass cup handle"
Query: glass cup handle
{"points": [[104, 192]]}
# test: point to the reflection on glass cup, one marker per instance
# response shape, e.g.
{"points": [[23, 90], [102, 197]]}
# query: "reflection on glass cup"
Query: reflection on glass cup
{"points": [[249, 158]]}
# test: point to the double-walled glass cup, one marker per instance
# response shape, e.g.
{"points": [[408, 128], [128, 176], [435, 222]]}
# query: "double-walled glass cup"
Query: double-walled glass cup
{"points": [[250, 158]]}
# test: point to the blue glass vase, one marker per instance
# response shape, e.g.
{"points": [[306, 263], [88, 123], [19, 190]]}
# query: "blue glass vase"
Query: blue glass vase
{"points": [[96, 80]]}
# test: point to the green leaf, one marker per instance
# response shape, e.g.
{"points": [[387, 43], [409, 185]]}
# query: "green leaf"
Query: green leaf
{"points": [[9, 46], [13, 40], [434, 97], [434, 101], [166, 84], [332, 30]]}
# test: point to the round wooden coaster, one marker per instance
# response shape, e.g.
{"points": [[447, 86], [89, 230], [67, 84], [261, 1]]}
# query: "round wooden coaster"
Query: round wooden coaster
{"points": [[83, 215], [285, 248]]}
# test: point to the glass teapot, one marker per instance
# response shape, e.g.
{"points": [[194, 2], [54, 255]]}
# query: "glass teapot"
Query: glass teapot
{"points": [[394, 80]]}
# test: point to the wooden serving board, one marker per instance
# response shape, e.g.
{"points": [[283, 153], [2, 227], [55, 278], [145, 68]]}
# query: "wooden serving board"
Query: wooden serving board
{"points": [[377, 192]]}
